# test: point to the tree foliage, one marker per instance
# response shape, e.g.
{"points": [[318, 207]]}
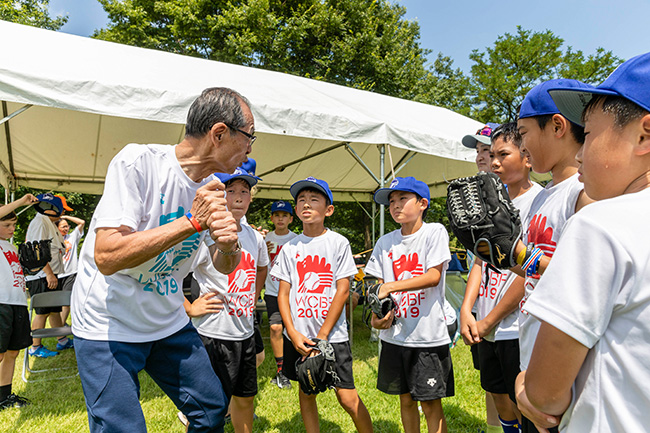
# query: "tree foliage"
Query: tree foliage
{"points": [[30, 12], [503, 74]]}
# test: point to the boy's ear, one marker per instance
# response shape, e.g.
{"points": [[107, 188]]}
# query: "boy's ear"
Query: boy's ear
{"points": [[643, 146], [559, 124], [424, 203], [329, 210]]}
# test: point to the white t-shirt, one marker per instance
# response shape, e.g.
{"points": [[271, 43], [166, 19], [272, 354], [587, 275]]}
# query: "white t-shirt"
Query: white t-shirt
{"points": [[420, 319], [145, 188], [42, 228], [313, 266], [12, 289], [548, 215], [597, 290], [235, 321], [499, 283], [70, 257], [272, 284]]}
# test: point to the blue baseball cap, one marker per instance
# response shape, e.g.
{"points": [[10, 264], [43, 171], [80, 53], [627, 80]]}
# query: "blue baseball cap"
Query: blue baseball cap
{"points": [[249, 166], [539, 103], [629, 80], [282, 206], [48, 201], [311, 182], [409, 184], [482, 135], [238, 174]]}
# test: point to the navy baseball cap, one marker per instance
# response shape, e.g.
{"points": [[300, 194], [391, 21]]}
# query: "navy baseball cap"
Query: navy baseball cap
{"points": [[482, 135], [311, 182], [409, 184], [249, 166], [238, 174], [539, 103], [629, 80], [282, 206], [48, 201]]}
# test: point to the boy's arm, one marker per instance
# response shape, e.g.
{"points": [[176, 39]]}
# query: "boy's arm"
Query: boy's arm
{"points": [[204, 304], [78, 221], [23, 201], [52, 280], [429, 279], [507, 304], [260, 278], [468, 329], [336, 308], [299, 341]]}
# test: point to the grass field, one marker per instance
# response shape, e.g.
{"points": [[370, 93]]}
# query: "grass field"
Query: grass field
{"points": [[58, 406]]}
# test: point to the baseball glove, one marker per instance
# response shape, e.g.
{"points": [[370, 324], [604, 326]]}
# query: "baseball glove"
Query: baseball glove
{"points": [[481, 214], [380, 307], [33, 256], [318, 373]]}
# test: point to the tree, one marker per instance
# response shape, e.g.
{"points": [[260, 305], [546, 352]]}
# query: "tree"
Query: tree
{"points": [[30, 12], [445, 87], [502, 75]]}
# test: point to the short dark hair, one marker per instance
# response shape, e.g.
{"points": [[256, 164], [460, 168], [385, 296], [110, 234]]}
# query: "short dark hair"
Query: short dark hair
{"points": [[231, 181], [10, 216], [310, 189], [508, 132], [577, 131], [216, 104], [623, 110]]}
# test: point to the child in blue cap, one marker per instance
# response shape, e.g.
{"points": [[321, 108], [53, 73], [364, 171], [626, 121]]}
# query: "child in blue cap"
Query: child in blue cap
{"points": [[414, 362], [590, 362]]}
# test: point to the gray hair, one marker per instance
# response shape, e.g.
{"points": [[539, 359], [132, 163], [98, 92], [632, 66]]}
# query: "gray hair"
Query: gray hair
{"points": [[216, 104]]}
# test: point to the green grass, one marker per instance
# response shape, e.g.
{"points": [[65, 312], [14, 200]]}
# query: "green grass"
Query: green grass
{"points": [[58, 406]]}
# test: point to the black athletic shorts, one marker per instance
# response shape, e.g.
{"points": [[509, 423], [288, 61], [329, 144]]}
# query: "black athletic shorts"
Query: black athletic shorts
{"points": [[499, 366], [15, 329], [40, 286], [234, 363], [259, 342], [272, 310], [527, 426], [424, 372], [343, 362]]}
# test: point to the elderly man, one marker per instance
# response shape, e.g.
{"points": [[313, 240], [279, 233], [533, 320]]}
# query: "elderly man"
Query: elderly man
{"points": [[159, 203]]}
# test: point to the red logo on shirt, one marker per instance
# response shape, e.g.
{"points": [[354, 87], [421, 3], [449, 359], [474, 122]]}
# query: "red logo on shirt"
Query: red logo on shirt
{"points": [[314, 275], [541, 235], [407, 267], [243, 277], [14, 264]]}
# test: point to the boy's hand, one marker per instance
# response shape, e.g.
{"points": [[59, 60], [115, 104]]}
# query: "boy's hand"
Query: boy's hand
{"points": [[27, 199], [208, 303], [384, 323], [52, 281], [542, 421], [302, 344], [468, 329]]}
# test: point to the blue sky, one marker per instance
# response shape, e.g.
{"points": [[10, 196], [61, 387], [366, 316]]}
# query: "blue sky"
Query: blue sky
{"points": [[458, 26]]}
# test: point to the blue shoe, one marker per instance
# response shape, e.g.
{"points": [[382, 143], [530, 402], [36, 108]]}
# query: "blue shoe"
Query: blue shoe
{"points": [[68, 345], [41, 352]]}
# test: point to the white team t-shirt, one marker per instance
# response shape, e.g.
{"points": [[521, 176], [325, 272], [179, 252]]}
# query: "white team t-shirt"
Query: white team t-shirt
{"points": [[145, 188], [42, 228], [70, 257], [420, 319], [499, 283], [272, 284], [237, 289], [548, 214], [597, 290], [12, 288], [313, 266]]}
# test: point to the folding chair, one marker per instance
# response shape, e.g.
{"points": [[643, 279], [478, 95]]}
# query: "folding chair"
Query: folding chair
{"points": [[43, 300]]}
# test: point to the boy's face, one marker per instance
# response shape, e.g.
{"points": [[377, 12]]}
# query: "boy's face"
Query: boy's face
{"points": [[535, 142], [405, 207], [281, 219], [238, 198], [508, 162], [7, 228], [64, 227], [483, 157], [312, 207]]}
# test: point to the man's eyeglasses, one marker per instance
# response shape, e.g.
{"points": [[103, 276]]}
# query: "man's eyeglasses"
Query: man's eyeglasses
{"points": [[485, 131], [251, 137]]}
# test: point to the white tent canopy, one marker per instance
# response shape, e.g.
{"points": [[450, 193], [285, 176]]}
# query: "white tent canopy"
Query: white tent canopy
{"points": [[70, 103]]}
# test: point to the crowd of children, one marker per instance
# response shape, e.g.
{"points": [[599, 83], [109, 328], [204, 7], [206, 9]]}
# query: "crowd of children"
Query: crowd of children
{"points": [[560, 341]]}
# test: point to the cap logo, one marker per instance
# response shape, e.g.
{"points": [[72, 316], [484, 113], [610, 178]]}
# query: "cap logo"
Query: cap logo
{"points": [[394, 183], [239, 171], [311, 179], [280, 204], [48, 196]]}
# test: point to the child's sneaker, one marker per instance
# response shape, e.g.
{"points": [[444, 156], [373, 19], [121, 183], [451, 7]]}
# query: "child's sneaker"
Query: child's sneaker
{"points": [[67, 345], [283, 381], [41, 352], [14, 400], [182, 418]]}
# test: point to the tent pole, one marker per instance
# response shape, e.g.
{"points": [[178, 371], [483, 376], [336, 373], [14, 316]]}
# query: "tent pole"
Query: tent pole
{"points": [[374, 218], [382, 183]]}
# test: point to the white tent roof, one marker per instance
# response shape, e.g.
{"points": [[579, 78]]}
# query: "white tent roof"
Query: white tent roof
{"points": [[87, 98]]}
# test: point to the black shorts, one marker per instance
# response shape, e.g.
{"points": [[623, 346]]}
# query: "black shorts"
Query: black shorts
{"points": [[527, 426], [424, 372], [40, 286], [499, 366], [234, 363], [343, 362], [272, 310], [259, 342], [67, 282], [15, 329], [474, 349]]}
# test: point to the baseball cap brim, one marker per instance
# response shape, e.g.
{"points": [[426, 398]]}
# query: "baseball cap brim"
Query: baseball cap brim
{"points": [[224, 177], [302, 184], [572, 102], [382, 195], [472, 140]]}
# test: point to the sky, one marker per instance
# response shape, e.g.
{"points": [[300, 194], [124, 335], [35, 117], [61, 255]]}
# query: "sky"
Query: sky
{"points": [[457, 27]]}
